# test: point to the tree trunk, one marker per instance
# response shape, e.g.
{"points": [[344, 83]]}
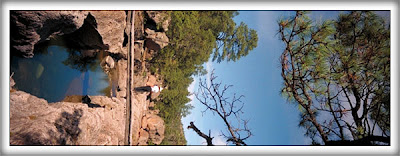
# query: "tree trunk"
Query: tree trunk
{"points": [[208, 138], [366, 141]]}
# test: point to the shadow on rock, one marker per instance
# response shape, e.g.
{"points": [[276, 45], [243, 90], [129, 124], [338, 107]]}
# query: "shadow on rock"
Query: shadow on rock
{"points": [[68, 127], [67, 132]]}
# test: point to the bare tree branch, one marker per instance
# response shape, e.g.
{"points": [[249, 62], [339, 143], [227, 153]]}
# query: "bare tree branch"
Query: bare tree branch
{"points": [[214, 98], [207, 137]]}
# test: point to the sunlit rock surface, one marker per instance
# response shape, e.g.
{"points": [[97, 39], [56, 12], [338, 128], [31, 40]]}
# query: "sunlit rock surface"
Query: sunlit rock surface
{"points": [[160, 18], [33, 121], [111, 26]]}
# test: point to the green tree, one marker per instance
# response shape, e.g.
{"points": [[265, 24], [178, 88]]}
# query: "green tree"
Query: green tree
{"points": [[232, 45], [338, 72], [232, 41], [193, 37]]}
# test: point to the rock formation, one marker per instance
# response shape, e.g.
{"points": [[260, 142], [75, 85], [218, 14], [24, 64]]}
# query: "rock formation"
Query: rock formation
{"points": [[111, 26], [159, 18], [147, 125], [91, 120], [33, 121], [152, 129], [107, 64], [155, 40], [84, 29], [155, 125], [31, 27]]}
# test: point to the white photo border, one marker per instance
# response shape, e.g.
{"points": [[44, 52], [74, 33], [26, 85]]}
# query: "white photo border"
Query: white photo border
{"points": [[8, 5]]}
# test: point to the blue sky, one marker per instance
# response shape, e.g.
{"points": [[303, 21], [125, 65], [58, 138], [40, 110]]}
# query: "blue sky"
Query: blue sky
{"points": [[273, 121]]}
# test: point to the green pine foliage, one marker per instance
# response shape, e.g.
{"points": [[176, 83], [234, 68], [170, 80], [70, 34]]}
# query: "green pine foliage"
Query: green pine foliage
{"points": [[338, 68], [194, 36]]}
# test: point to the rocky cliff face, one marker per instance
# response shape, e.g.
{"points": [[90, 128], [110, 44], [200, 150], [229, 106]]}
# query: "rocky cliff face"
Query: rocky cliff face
{"points": [[31, 27], [143, 129], [111, 26], [91, 120], [33, 121], [84, 29]]}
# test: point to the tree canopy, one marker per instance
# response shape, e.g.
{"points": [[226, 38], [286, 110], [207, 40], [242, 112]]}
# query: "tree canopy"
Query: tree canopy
{"points": [[338, 72], [194, 36]]}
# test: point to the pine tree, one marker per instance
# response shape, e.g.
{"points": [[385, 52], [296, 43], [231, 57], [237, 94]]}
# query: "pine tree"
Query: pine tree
{"points": [[338, 72]]}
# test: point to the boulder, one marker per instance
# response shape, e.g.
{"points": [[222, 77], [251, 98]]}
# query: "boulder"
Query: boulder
{"points": [[144, 123], [34, 121], [160, 18], [111, 26], [84, 30], [151, 80], [30, 27], [155, 40], [143, 137], [156, 128], [107, 64]]}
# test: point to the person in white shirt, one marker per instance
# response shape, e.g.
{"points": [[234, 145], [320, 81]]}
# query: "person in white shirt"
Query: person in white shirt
{"points": [[156, 89], [151, 89]]}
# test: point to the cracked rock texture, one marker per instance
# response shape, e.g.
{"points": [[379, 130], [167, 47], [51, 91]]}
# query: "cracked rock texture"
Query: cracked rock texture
{"points": [[33, 121], [31, 27]]}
